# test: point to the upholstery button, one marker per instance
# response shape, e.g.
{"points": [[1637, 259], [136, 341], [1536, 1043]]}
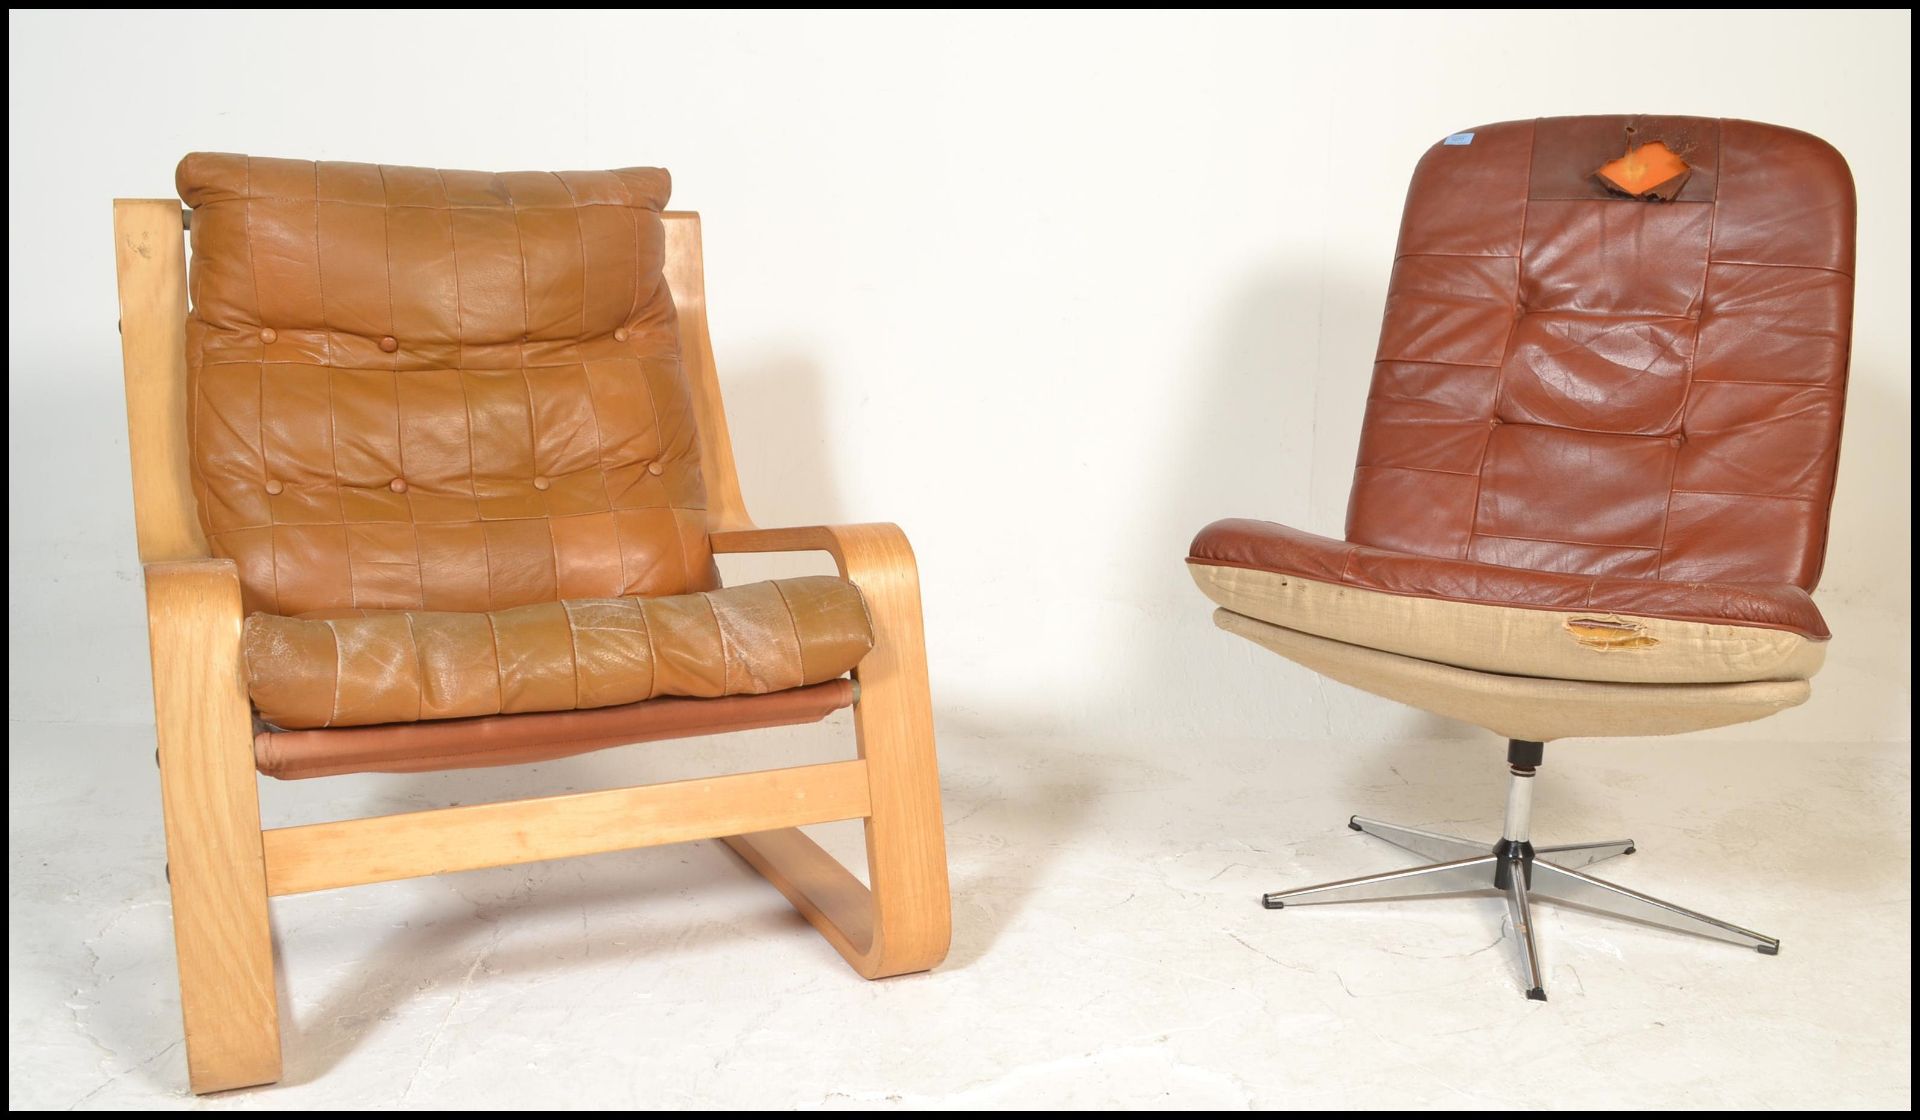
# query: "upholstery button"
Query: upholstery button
{"points": [[541, 482], [620, 335], [1495, 422], [655, 468], [389, 344], [398, 486], [274, 486], [268, 334]]}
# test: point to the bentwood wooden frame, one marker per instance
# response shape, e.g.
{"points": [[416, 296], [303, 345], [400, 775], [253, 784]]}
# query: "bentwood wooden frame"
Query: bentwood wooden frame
{"points": [[223, 867]]}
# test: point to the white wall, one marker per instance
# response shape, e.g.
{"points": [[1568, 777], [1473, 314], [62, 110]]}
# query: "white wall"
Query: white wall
{"points": [[1051, 291]]}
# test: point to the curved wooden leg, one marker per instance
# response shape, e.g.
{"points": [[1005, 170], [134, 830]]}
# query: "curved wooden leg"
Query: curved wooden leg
{"points": [[210, 802], [904, 923]]}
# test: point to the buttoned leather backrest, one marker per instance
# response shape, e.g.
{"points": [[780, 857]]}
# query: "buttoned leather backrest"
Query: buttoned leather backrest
{"points": [[446, 390], [1576, 380]]}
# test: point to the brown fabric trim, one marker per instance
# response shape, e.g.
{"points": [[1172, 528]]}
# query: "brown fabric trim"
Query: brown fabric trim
{"points": [[460, 744]]}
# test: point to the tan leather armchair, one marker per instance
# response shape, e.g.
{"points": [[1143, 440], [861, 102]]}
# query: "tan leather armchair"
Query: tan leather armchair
{"points": [[1595, 471], [430, 473]]}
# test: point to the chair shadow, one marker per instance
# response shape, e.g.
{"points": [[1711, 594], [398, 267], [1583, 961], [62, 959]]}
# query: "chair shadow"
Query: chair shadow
{"points": [[989, 894], [429, 949], [776, 417], [419, 955], [794, 483], [778, 412], [1871, 550], [1257, 399], [1235, 455]]}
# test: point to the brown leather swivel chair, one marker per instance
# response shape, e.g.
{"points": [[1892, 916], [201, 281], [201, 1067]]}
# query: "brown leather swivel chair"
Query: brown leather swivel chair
{"points": [[1595, 472], [432, 476]]}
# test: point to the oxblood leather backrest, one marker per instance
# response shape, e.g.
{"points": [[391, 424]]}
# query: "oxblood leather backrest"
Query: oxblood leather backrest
{"points": [[447, 390], [1575, 380]]}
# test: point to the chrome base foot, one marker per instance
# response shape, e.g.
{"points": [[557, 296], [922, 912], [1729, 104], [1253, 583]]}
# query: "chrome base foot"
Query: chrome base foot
{"points": [[1560, 883], [1524, 875], [1451, 877]]}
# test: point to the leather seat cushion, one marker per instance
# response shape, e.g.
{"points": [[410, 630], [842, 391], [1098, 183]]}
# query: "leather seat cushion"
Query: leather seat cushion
{"points": [[1516, 621], [459, 744], [348, 668]]}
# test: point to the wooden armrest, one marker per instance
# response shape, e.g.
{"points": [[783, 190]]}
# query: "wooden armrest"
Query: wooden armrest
{"points": [[200, 567], [876, 558], [864, 553], [204, 590], [193, 627]]}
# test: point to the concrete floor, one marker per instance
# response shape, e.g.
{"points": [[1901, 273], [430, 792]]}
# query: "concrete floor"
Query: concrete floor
{"points": [[1109, 948]]}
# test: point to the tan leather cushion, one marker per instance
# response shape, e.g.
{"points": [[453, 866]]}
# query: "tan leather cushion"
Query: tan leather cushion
{"points": [[431, 390], [1508, 620], [358, 667], [457, 744]]}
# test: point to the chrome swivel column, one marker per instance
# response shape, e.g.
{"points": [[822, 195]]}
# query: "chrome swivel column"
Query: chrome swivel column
{"points": [[1521, 872], [1514, 874]]}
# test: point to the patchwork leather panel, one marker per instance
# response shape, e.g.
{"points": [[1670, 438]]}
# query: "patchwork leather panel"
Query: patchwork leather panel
{"points": [[1575, 381], [1608, 258], [457, 744], [1594, 373], [438, 390], [348, 668]]}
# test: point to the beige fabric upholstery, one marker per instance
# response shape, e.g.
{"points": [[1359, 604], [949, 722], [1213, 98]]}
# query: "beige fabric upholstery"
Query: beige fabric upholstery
{"points": [[1518, 641], [1524, 707]]}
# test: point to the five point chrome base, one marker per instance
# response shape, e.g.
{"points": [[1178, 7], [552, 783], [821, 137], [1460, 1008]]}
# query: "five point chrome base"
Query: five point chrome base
{"points": [[1523, 874]]}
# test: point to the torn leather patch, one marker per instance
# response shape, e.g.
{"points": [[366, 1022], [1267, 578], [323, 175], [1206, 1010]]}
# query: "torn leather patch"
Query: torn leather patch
{"points": [[1649, 170], [1610, 634]]}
